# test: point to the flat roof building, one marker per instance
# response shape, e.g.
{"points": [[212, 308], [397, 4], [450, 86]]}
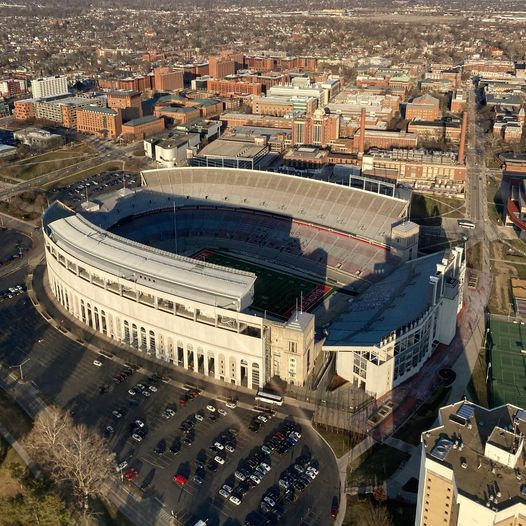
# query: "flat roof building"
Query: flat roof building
{"points": [[49, 87], [472, 468]]}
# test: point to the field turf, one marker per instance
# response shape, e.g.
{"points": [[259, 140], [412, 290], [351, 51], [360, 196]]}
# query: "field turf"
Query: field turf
{"points": [[508, 364], [275, 292]]}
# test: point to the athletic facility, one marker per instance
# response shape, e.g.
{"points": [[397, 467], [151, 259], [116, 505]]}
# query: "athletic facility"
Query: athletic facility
{"points": [[507, 346], [225, 271]]}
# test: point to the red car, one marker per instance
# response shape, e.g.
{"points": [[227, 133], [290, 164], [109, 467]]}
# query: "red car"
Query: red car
{"points": [[180, 479], [131, 474], [280, 436], [335, 507]]}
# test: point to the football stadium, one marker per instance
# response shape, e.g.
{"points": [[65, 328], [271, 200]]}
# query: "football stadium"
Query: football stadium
{"points": [[245, 276]]}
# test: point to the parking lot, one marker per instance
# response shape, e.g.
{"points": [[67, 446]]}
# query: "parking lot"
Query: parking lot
{"points": [[13, 245], [75, 193], [65, 373]]}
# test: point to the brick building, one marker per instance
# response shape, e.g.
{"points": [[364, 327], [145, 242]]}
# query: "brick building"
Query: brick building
{"points": [[458, 102], [384, 139], [440, 130], [234, 87], [139, 83], [425, 108], [319, 129], [139, 129], [219, 67], [177, 115], [257, 121], [12, 87], [280, 106], [103, 122], [24, 109], [165, 79], [128, 101]]}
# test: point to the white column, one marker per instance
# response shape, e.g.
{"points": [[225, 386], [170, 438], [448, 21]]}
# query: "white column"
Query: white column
{"points": [[185, 357]]}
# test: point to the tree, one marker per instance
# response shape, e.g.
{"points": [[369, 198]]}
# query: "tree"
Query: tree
{"points": [[72, 454], [375, 514]]}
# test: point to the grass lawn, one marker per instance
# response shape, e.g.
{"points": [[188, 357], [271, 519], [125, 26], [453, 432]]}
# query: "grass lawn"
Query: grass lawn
{"points": [[401, 514], [107, 166], [339, 442], [47, 162], [12, 417], [495, 202], [9, 485], [274, 291], [423, 419], [427, 209], [375, 465]]}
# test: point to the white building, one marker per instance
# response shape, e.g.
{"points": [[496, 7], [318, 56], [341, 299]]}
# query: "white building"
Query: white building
{"points": [[49, 87], [172, 151], [386, 335]]}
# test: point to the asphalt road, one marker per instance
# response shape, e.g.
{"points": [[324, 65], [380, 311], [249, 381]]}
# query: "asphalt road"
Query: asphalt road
{"points": [[64, 372]]}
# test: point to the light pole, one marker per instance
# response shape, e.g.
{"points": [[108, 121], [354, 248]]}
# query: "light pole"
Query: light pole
{"points": [[20, 367]]}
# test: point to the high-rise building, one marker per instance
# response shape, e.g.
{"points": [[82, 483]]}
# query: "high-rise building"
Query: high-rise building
{"points": [[219, 67], [49, 87], [167, 80], [472, 471], [317, 130]]}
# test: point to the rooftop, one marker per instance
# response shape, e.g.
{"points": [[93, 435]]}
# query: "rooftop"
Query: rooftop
{"points": [[98, 109], [401, 297], [231, 148], [470, 441], [141, 120]]}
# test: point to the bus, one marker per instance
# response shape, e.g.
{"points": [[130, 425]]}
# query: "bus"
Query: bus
{"points": [[269, 398], [466, 223]]}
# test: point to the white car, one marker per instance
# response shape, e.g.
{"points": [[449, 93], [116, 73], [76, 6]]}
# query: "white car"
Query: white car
{"points": [[116, 414], [269, 501], [223, 493], [240, 476], [121, 466], [255, 478], [219, 459], [295, 435], [146, 393], [219, 446], [132, 392], [311, 473], [97, 363], [152, 388], [139, 423], [228, 488], [230, 448], [231, 404], [171, 412], [222, 412], [199, 417], [235, 500], [264, 467], [211, 408], [137, 437], [262, 418]]}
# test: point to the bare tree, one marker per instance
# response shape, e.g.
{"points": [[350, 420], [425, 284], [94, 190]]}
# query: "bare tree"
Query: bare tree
{"points": [[72, 454], [375, 514]]}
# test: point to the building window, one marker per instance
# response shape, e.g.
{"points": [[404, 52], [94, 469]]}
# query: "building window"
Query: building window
{"points": [[293, 347]]}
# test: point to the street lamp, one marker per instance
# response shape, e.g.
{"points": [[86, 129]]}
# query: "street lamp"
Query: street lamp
{"points": [[20, 367]]}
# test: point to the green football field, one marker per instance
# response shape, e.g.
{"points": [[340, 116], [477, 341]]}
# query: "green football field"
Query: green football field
{"points": [[275, 292], [508, 364]]}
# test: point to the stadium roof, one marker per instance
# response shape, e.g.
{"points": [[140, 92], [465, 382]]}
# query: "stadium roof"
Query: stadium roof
{"points": [[400, 298], [141, 264]]}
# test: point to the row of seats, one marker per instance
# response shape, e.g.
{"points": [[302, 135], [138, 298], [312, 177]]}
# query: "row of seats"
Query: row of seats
{"points": [[286, 237]]}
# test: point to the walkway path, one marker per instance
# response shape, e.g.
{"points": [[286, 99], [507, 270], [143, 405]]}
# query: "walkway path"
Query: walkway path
{"points": [[21, 451]]}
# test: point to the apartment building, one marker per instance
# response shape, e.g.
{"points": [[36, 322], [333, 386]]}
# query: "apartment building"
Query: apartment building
{"points": [[49, 87], [472, 468]]}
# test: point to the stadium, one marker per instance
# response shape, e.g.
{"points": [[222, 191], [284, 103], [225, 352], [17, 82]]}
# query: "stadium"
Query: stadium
{"points": [[232, 273]]}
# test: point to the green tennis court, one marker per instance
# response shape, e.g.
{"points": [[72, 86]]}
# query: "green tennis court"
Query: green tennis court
{"points": [[508, 364]]}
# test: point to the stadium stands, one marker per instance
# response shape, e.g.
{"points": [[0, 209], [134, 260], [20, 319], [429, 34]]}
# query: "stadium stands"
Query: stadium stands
{"points": [[364, 214]]}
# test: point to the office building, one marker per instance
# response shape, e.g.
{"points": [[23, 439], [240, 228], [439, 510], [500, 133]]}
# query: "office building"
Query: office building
{"points": [[103, 122]]}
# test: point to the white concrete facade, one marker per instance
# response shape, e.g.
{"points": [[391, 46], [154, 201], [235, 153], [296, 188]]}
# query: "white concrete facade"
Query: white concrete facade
{"points": [[205, 339], [49, 87]]}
